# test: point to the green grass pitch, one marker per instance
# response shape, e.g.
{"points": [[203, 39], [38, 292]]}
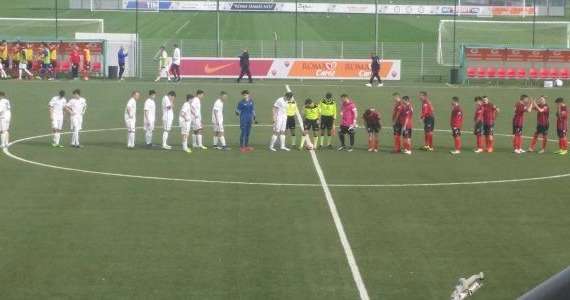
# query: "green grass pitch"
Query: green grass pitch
{"points": [[65, 234]]}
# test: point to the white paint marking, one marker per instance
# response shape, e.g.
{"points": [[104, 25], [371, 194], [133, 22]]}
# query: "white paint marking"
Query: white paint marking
{"points": [[181, 27], [339, 227]]}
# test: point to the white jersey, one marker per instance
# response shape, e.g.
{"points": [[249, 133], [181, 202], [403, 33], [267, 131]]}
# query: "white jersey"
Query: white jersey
{"points": [[185, 113], [280, 108], [176, 56], [5, 109], [131, 110], [77, 106], [149, 111], [167, 109], [196, 108], [57, 105], [218, 112]]}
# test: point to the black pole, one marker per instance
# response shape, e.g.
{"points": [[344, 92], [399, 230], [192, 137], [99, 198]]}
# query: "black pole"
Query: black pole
{"points": [[296, 27], [454, 40], [136, 34], [56, 22], [533, 21]]}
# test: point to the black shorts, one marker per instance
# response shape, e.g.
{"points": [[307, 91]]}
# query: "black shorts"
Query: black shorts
{"points": [[455, 132], [542, 129], [429, 123], [488, 129], [327, 122], [373, 129], [397, 129], [561, 133], [346, 130], [517, 130], [478, 129], [407, 133], [311, 125], [290, 122]]}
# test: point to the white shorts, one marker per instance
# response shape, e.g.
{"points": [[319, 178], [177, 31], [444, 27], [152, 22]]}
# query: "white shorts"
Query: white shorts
{"points": [[280, 124], [23, 66], [149, 125], [57, 124], [163, 72], [218, 127], [167, 124], [4, 125], [196, 124], [184, 127], [130, 124], [76, 123]]}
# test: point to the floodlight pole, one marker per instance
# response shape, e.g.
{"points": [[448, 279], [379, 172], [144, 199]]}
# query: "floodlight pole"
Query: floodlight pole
{"points": [[136, 33], [296, 27], [56, 21], [218, 28], [533, 21], [454, 28], [376, 31]]}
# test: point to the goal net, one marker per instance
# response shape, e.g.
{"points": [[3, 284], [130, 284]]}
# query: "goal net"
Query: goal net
{"points": [[29, 28], [547, 34], [141, 5]]}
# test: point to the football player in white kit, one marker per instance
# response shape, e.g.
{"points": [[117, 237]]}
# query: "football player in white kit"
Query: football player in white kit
{"points": [[5, 117], [218, 122], [196, 125], [167, 117], [149, 117], [131, 118], [76, 106], [56, 109], [185, 120], [280, 121]]}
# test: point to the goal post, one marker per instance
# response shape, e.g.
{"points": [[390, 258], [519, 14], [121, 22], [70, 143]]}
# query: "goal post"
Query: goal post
{"points": [[547, 34], [46, 27]]}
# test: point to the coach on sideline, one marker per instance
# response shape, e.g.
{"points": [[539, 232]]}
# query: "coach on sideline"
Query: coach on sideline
{"points": [[244, 66]]}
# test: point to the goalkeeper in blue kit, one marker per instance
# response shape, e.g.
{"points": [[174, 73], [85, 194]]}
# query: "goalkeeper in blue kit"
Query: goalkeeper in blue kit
{"points": [[246, 112]]}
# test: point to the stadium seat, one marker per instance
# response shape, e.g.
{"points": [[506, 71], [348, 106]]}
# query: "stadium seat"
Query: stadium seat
{"points": [[96, 67], [543, 73], [533, 73], [491, 72], [553, 73], [564, 73], [511, 73], [471, 72], [521, 73], [64, 66], [481, 72], [501, 73]]}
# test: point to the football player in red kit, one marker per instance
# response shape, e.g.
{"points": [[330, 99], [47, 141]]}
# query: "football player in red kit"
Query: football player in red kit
{"points": [[562, 126], [396, 122], [406, 118], [490, 112], [429, 121], [522, 106], [372, 122], [542, 124], [456, 124], [478, 124]]}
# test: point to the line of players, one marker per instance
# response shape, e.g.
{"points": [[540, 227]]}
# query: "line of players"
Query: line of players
{"points": [[318, 118]]}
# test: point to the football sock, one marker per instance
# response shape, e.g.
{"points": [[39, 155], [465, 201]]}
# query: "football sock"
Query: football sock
{"points": [[185, 142], [148, 137], [341, 137], [316, 141], [322, 140], [430, 139], [329, 140], [282, 141], [216, 140], [565, 143], [194, 141], [544, 141], [351, 138], [397, 143], [165, 138], [426, 139], [376, 143], [370, 142], [458, 143], [479, 141], [293, 140], [533, 141], [303, 138], [76, 133], [131, 139], [3, 139], [199, 140], [222, 141], [56, 138], [273, 140]]}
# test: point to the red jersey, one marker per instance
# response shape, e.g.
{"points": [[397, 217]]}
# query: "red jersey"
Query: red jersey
{"points": [[427, 109], [489, 113], [542, 117], [518, 119], [371, 118], [406, 116], [479, 109], [396, 111], [562, 118], [74, 57], [456, 117]]}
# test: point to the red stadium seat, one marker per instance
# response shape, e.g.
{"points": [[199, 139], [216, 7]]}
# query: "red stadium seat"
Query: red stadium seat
{"points": [[96, 67], [553, 73], [501, 73], [471, 72], [521, 73], [543, 73], [64, 66], [481, 72], [491, 72], [564, 73], [533, 73], [511, 73]]}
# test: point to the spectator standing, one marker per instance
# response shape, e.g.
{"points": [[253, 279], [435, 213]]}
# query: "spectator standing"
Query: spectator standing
{"points": [[244, 66], [122, 59]]}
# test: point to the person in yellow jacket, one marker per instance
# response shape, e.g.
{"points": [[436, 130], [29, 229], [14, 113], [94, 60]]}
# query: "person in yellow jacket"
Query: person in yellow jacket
{"points": [[328, 118], [3, 59], [29, 56], [291, 116], [23, 65], [311, 113], [86, 62]]}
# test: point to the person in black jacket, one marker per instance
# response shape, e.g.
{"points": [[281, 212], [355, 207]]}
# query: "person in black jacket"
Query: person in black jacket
{"points": [[244, 66], [375, 68]]}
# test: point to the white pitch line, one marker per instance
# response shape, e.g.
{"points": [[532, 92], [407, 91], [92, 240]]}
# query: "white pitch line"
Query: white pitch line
{"points": [[339, 227], [181, 27]]}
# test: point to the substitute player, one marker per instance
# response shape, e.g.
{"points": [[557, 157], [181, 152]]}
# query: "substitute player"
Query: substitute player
{"points": [[167, 117], [478, 124], [522, 106], [246, 112], [149, 117], [56, 111], [375, 70], [327, 108], [23, 65], [542, 124], [175, 66], [131, 118], [311, 114], [196, 122], [185, 121], [162, 64], [562, 126], [280, 122], [456, 122], [86, 62], [292, 111], [396, 124], [348, 123], [490, 112], [372, 122], [427, 115], [218, 122], [406, 118], [76, 107], [5, 118]]}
